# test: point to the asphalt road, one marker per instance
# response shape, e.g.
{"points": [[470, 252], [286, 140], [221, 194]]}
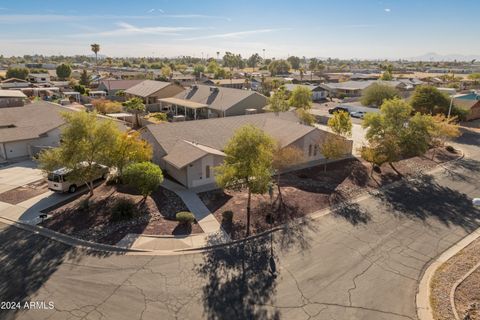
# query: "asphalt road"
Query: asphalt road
{"points": [[362, 262]]}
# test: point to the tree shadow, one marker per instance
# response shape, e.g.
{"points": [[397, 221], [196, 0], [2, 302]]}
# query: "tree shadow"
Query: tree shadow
{"points": [[423, 198], [344, 207], [28, 260], [242, 277]]}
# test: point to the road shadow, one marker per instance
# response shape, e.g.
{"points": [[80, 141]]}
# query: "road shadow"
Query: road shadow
{"points": [[28, 260], [241, 278], [424, 198], [344, 207]]}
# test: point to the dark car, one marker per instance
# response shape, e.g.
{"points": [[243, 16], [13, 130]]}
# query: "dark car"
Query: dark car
{"points": [[336, 109]]}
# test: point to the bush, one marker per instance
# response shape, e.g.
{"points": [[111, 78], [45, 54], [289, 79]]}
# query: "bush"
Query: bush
{"points": [[84, 204], [124, 209], [160, 116], [185, 217], [450, 149], [106, 106], [227, 216], [146, 177]]}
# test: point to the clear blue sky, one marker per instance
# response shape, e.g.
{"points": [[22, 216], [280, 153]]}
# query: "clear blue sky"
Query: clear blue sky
{"points": [[322, 28]]}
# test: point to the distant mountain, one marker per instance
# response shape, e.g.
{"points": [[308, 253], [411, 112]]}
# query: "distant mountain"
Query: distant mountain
{"points": [[432, 56]]}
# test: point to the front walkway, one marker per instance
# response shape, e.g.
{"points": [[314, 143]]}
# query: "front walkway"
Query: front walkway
{"points": [[204, 217]]}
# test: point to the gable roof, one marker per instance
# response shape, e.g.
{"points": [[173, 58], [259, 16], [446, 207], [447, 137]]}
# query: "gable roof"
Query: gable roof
{"points": [[218, 98], [147, 88], [311, 87], [115, 84], [12, 94], [223, 82], [30, 121], [185, 142]]}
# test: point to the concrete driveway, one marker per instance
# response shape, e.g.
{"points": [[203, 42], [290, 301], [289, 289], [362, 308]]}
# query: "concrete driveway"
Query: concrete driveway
{"points": [[19, 174]]}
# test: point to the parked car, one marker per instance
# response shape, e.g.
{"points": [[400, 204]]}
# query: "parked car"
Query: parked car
{"points": [[59, 181], [476, 202], [336, 109], [358, 114]]}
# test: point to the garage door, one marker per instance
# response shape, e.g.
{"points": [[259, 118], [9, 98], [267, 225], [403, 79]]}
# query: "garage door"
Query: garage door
{"points": [[16, 149]]}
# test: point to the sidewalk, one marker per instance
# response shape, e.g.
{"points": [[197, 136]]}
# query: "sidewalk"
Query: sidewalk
{"points": [[204, 217]]}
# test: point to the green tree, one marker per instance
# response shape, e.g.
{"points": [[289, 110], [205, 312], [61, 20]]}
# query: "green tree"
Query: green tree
{"points": [[248, 163], [442, 130], [386, 76], [428, 99], [301, 97], [84, 79], [294, 62], [146, 177], [198, 69], [63, 71], [374, 156], [166, 72], [19, 73], [212, 66], [254, 60], [279, 67], [313, 64], [332, 148], [475, 77], [129, 148], [284, 158], [341, 123], [86, 142], [135, 106], [278, 101], [415, 138], [95, 47], [386, 129], [375, 94]]}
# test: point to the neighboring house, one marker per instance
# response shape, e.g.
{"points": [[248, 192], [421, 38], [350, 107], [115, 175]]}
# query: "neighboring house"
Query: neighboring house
{"points": [[38, 78], [190, 151], [201, 102], [469, 102], [150, 91], [227, 83], [184, 80], [355, 88], [14, 83], [318, 93], [112, 86], [24, 131], [364, 76], [306, 78], [12, 98]]}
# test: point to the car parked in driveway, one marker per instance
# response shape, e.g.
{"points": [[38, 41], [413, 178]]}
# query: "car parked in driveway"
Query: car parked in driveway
{"points": [[357, 114], [476, 202], [337, 109], [59, 180]]}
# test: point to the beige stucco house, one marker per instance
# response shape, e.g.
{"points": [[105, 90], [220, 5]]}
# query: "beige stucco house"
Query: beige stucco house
{"points": [[190, 151], [150, 91]]}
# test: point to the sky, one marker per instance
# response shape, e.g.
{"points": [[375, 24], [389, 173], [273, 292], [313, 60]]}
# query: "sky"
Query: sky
{"points": [[358, 29]]}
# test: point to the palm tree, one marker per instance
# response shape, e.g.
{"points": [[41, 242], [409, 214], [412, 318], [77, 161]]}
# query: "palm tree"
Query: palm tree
{"points": [[95, 48]]}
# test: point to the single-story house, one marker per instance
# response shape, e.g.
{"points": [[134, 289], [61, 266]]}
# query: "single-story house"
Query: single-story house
{"points": [[12, 98], [189, 151], [469, 102], [183, 79], [38, 78], [355, 88], [202, 102], [306, 78], [150, 91], [112, 86], [227, 83], [318, 93], [14, 83], [26, 130]]}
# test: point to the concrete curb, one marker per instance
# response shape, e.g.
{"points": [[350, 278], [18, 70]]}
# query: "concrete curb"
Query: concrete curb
{"points": [[455, 286], [422, 299], [113, 248]]}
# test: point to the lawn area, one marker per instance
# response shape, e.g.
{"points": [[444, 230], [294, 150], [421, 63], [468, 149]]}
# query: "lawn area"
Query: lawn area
{"points": [[155, 216], [309, 190]]}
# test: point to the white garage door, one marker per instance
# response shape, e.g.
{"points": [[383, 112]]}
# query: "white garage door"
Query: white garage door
{"points": [[16, 149]]}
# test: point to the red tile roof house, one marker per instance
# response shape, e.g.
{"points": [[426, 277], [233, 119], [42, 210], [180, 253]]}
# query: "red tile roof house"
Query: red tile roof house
{"points": [[189, 151]]}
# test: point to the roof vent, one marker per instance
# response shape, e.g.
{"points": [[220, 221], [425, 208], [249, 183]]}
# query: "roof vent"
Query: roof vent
{"points": [[213, 89]]}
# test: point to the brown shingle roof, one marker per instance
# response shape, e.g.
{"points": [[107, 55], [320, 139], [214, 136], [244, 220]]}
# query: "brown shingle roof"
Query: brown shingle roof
{"points": [[147, 87], [119, 84], [218, 98], [215, 133]]}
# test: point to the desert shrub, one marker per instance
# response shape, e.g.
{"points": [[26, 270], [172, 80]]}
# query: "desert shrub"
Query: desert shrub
{"points": [[450, 149], [227, 216], [84, 204], [124, 209], [160, 116], [106, 106], [185, 217]]}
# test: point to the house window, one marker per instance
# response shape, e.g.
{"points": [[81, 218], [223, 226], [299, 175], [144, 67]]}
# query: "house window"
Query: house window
{"points": [[310, 150], [207, 172], [315, 150]]}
